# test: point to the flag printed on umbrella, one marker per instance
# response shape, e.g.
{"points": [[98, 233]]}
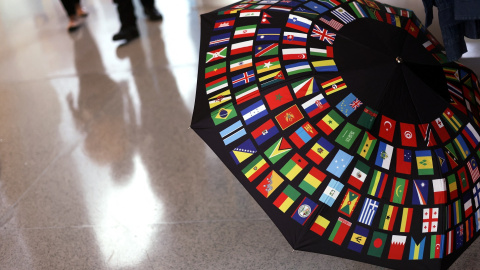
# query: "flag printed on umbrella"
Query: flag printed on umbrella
{"points": [[449, 242], [264, 132], [406, 222], [331, 192], [437, 246], [293, 167], [331, 22], [377, 184], [457, 212], [295, 38], [424, 162], [377, 244], [254, 112], [312, 181], [349, 203], [320, 225], [397, 247], [452, 120], [219, 99], [233, 133], [269, 184], [241, 47], [297, 68], [476, 194], [442, 160], [298, 23], [348, 135], [265, 18], [272, 78], [216, 55], [367, 145], [358, 10], [467, 205], [408, 135], [216, 85], [462, 175], [343, 15], [214, 70], [340, 231], [323, 34], [461, 147], [330, 122], [327, 52], [320, 150], [459, 236], [451, 154], [325, 65], [439, 191], [339, 163], [387, 220], [359, 238], [368, 212], [430, 220], [268, 34], [268, 65], [428, 138], [334, 85], [304, 211], [266, 49], [404, 161], [241, 63], [440, 130], [452, 186], [367, 118], [221, 39], [244, 78], [384, 155], [305, 87], [223, 114], [471, 135], [245, 31], [247, 94], [316, 7], [416, 250], [289, 117], [315, 105], [349, 104], [278, 97], [387, 128], [278, 150], [358, 175], [303, 135], [255, 168], [243, 151], [420, 192], [294, 54], [224, 24], [288, 196], [399, 190]]}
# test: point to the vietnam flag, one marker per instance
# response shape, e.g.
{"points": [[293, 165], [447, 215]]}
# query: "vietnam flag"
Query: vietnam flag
{"points": [[387, 128]]}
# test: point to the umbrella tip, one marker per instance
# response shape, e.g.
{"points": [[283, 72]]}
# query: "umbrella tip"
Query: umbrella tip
{"points": [[399, 60]]}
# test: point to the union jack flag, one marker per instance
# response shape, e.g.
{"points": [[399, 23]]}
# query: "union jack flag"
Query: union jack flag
{"points": [[324, 35], [356, 104]]}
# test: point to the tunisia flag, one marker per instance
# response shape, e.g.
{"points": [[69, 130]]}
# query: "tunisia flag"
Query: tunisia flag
{"points": [[387, 128], [408, 135]]}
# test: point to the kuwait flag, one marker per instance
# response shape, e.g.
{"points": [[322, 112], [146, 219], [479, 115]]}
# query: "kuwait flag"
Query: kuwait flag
{"points": [[312, 181], [397, 246], [320, 150], [315, 105], [255, 168], [278, 150], [359, 174], [320, 225], [270, 184], [304, 211], [340, 231], [330, 122], [289, 117], [287, 198], [305, 87], [293, 167], [303, 135]]}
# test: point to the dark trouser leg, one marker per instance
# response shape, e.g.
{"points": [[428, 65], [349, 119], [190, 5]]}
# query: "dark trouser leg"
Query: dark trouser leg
{"points": [[126, 14], [69, 6], [148, 4]]}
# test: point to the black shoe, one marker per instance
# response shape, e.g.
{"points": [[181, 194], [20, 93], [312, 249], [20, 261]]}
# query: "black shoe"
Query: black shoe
{"points": [[128, 34], [153, 14]]}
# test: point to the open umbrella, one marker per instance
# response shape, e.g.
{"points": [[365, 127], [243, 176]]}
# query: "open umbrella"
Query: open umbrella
{"points": [[347, 125]]}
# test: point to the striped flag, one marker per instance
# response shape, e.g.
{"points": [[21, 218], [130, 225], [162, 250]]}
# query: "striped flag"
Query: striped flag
{"points": [[358, 175], [424, 162], [240, 63], [330, 122], [331, 22], [219, 99], [384, 155], [224, 24], [255, 168], [406, 220], [340, 231], [343, 15], [295, 38], [325, 65], [320, 150], [367, 145], [247, 94], [222, 39], [368, 212], [241, 47], [233, 132], [268, 34], [288, 196], [266, 49], [254, 112], [473, 168], [298, 67], [245, 31], [358, 10], [294, 53], [267, 65], [461, 147], [416, 250], [298, 23], [264, 132], [216, 85], [320, 225], [315, 105], [471, 135], [439, 191], [303, 135], [293, 167], [452, 120], [377, 184], [334, 85], [327, 52], [387, 220], [305, 87], [331, 192], [312, 181], [215, 70], [437, 246]]}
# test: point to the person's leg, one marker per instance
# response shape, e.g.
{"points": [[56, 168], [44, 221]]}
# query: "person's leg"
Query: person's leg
{"points": [[128, 21], [81, 11], [150, 10], [73, 23]]}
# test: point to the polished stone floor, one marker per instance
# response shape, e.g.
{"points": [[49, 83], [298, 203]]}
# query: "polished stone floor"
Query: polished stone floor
{"points": [[98, 167]]}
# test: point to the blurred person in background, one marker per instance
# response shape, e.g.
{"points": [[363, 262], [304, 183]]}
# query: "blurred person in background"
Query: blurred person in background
{"points": [[128, 20], [75, 11]]}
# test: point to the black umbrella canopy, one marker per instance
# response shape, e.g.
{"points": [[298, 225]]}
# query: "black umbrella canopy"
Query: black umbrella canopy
{"points": [[347, 125]]}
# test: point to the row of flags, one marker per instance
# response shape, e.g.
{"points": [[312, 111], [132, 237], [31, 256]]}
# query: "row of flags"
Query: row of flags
{"points": [[285, 169]]}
